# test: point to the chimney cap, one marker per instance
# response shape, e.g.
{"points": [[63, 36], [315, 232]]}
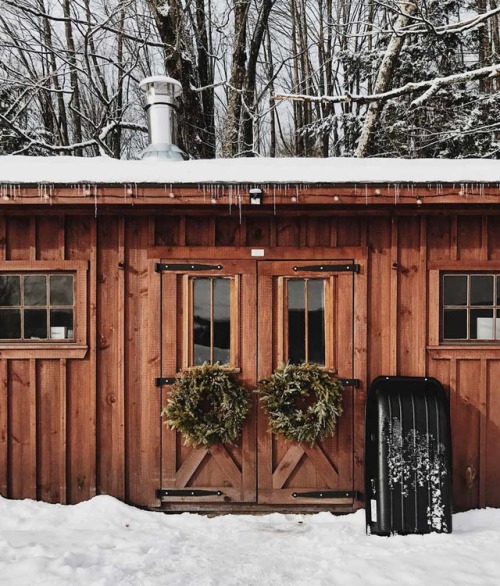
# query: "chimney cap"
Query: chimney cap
{"points": [[162, 85]]}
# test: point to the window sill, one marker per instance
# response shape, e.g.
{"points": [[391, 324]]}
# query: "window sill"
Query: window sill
{"points": [[464, 351], [21, 350]]}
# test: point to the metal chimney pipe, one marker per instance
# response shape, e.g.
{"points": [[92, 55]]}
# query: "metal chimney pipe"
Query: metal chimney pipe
{"points": [[160, 95]]}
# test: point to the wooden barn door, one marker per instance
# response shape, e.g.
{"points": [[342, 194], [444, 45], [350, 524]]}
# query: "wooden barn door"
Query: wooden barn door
{"points": [[306, 313], [208, 314]]}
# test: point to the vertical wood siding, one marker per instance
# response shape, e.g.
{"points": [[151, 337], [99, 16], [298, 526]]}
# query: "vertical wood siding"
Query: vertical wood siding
{"points": [[73, 428]]}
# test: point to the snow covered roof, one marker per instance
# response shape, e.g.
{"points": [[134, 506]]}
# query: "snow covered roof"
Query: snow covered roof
{"points": [[103, 170]]}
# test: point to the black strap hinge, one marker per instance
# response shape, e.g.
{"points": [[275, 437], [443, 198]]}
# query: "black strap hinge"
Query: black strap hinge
{"points": [[172, 492], [343, 268], [349, 382], [162, 266], [328, 494], [165, 380]]}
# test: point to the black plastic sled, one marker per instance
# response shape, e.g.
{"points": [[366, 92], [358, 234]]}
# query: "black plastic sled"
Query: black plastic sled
{"points": [[407, 457]]}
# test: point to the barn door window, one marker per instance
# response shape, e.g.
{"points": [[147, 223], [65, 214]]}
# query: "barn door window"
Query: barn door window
{"points": [[470, 307], [213, 320], [305, 314]]}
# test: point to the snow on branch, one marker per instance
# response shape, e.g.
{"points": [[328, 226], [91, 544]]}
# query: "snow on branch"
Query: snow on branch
{"points": [[430, 86]]}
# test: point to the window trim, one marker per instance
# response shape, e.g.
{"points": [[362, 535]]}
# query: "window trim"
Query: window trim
{"points": [[435, 305], [188, 345], [78, 346]]}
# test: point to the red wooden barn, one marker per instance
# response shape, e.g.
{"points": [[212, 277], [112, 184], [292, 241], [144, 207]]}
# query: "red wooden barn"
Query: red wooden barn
{"points": [[110, 270]]}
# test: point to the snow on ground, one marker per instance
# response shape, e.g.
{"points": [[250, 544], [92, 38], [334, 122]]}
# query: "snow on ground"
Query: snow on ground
{"points": [[104, 542], [19, 169]]}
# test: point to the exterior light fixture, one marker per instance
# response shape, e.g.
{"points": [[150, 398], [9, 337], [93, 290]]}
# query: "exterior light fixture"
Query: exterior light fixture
{"points": [[255, 196], [420, 201]]}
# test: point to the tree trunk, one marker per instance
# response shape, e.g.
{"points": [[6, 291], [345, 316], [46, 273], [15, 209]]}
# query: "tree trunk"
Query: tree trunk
{"points": [[230, 147], [383, 82]]}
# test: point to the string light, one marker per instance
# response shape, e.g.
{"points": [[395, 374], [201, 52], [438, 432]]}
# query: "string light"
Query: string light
{"points": [[336, 198], [420, 201]]}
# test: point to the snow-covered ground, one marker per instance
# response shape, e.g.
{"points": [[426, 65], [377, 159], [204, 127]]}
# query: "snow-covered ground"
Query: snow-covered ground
{"points": [[105, 542]]}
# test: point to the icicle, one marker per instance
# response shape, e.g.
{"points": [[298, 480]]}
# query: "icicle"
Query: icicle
{"points": [[95, 201], [366, 194]]}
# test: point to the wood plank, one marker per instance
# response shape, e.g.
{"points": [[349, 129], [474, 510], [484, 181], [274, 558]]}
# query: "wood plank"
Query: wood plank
{"points": [[18, 235], [80, 245], [142, 411], [439, 238], [492, 463], [483, 425], [226, 464], [465, 416], [188, 467], [493, 238], [394, 300], [51, 445], [469, 238], [4, 429], [110, 362], [379, 294], [22, 454], [411, 314], [287, 464], [169, 368], [287, 231], [264, 369], [434, 310], [360, 372], [247, 359], [49, 237]]}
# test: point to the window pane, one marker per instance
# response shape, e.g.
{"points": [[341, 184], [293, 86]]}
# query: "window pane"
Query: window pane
{"points": [[10, 324], [35, 324], [222, 323], [481, 290], [455, 290], [455, 324], [481, 324], [316, 317], [35, 290], [201, 321], [296, 322], [10, 290], [61, 290], [61, 324]]}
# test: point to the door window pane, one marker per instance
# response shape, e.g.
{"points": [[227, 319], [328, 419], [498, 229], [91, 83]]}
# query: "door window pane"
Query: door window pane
{"points": [[35, 290], [61, 324], [222, 320], [455, 290], [35, 324], [296, 321], [10, 290], [481, 324], [481, 290], [61, 290], [201, 320], [455, 324], [306, 320], [211, 320], [10, 324], [316, 321]]}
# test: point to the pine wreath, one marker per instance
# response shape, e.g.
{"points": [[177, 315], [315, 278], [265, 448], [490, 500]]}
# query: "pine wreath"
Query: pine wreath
{"points": [[207, 405], [302, 402]]}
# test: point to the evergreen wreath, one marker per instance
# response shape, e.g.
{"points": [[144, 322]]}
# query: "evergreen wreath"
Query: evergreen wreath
{"points": [[302, 402], [207, 405]]}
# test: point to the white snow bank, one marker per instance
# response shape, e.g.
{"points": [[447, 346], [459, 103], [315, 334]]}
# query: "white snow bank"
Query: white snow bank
{"points": [[104, 542], [67, 170]]}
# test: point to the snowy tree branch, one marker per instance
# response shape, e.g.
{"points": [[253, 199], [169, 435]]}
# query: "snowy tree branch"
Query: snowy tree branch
{"points": [[434, 84]]}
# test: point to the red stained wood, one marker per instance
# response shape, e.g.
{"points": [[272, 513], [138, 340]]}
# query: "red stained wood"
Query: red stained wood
{"points": [[86, 422]]}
